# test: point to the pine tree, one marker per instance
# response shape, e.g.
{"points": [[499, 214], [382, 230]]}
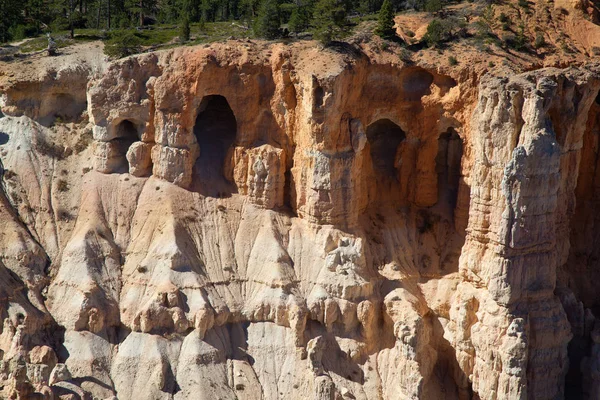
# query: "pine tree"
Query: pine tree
{"points": [[520, 39], [184, 29], [35, 12], [267, 21], [171, 11], [299, 20], [247, 9], [139, 9], [71, 4], [184, 21], [329, 20], [195, 13], [435, 33], [10, 14], [385, 24]]}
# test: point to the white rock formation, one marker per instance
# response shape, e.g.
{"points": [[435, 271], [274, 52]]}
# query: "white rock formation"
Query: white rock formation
{"points": [[234, 222]]}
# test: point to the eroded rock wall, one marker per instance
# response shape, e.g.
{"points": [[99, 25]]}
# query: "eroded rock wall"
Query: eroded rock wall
{"points": [[249, 221]]}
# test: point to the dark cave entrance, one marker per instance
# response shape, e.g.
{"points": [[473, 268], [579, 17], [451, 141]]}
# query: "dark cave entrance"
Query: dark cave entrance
{"points": [[127, 131], [215, 132], [384, 137], [447, 165], [126, 134]]}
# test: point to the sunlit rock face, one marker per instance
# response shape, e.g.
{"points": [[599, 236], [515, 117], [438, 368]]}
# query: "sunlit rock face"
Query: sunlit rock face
{"points": [[237, 221]]}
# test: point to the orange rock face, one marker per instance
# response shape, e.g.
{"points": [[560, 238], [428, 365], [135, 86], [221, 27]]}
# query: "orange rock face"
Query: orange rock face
{"points": [[272, 221]]}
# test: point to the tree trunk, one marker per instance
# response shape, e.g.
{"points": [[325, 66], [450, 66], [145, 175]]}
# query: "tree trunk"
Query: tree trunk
{"points": [[72, 29], [141, 13], [98, 17]]}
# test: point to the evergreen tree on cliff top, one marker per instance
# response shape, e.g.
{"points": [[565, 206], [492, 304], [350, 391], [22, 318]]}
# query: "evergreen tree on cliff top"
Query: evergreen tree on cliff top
{"points": [[385, 23], [184, 24], [299, 20], [267, 21], [329, 20], [10, 14], [184, 28]]}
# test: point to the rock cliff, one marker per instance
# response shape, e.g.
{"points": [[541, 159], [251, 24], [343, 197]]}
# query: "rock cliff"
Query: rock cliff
{"points": [[244, 220]]}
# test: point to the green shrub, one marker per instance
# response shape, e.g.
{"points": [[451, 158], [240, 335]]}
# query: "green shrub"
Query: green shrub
{"points": [[566, 48], [433, 6], [503, 17], [435, 32], [439, 31], [520, 39], [539, 40], [483, 29], [405, 56], [488, 14], [452, 60], [122, 44], [64, 215], [62, 185], [84, 141], [47, 148]]}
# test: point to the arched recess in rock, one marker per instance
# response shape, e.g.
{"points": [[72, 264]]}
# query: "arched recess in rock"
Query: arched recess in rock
{"points": [[447, 166], [384, 138], [60, 107], [215, 130], [67, 107], [126, 133]]}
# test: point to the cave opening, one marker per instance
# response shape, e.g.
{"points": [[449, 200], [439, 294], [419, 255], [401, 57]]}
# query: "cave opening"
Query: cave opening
{"points": [[126, 133], [447, 163], [127, 130], [384, 137], [215, 131]]}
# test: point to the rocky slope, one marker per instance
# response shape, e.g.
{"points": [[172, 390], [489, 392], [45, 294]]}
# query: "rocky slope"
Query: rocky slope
{"points": [[250, 220]]}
